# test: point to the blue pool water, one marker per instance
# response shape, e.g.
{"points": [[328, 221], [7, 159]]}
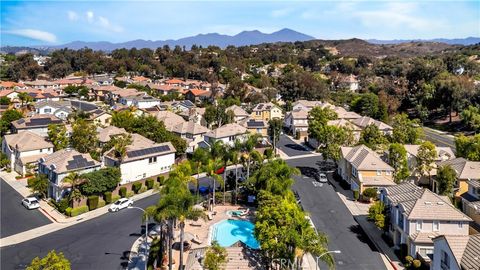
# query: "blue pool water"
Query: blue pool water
{"points": [[227, 232]]}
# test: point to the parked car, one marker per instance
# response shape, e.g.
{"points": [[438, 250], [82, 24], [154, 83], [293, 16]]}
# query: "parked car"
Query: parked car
{"points": [[120, 204], [322, 178], [30, 203]]}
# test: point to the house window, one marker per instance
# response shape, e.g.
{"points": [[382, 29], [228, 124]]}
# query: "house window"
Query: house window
{"points": [[41, 150], [460, 225], [436, 225], [419, 225], [388, 173], [354, 171], [379, 172], [231, 138], [257, 113], [47, 110], [445, 261], [152, 160]]}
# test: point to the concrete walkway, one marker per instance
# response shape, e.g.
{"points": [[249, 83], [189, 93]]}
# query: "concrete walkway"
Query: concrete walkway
{"points": [[360, 214]]}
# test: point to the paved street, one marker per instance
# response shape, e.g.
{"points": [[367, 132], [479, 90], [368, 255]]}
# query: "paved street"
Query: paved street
{"points": [[100, 243], [290, 147], [331, 216], [439, 139], [14, 217]]}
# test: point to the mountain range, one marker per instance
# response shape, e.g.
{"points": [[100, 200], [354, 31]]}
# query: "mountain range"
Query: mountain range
{"points": [[240, 39], [454, 41]]}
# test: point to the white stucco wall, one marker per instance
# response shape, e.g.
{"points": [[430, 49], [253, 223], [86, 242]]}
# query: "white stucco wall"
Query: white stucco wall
{"points": [[139, 169]]}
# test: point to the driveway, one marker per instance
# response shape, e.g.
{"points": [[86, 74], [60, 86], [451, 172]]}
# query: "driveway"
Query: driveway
{"points": [[291, 148], [14, 217], [100, 243], [331, 216]]}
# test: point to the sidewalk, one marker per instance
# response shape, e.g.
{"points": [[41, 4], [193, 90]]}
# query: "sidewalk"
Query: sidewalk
{"points": [[59, 221], [360, 213]]}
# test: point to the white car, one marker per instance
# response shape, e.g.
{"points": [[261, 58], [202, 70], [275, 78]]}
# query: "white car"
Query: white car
{"points": [[120, 204], [30, 203], [322, 178]]}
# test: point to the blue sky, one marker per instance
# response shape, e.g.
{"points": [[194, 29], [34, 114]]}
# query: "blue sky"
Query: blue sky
{"points": [[58, 22]]}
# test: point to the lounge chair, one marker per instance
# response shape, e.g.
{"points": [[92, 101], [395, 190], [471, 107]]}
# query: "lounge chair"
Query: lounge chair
{"points": [[196, 240], [210, 217]]}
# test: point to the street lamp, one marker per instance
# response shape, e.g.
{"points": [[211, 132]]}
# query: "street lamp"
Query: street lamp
{"points": [[330, 251], [146, 230]]}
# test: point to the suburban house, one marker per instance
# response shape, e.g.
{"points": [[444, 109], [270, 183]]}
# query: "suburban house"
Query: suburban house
{"points": [[362, 168], [61, 163], [169, 119], [239, 113], [197, 95], [306, 105], [25, 148], [347, 124], [443, 154], [106, 134], [182, 106], [266, 111], [115, 96], [195, 115], [192, 133], [37, 124], [143, 158], [140, 100], [60, 109], [466, 170], [365, 121], [100, 117], [342, 113], [456, 252], [349, 83], [256, 126], [418, 215], [471, 204], [101, 92], [297, 123], [227, 134], [41, 84]]}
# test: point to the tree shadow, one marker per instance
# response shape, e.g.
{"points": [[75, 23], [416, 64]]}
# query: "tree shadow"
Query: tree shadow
{"points": [[361, 235], [296, 147], [309, 171]]}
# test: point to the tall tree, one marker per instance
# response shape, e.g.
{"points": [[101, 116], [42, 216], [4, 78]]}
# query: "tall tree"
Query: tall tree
{"points": [[446, 177], [74, 179], [372, 137], [84, 136], [397, 155], [471, 118], [57, 134], [406, 131], [468, 147], [53, 261], [426, 156], [274, 130], [39, 185], [215, 257]]}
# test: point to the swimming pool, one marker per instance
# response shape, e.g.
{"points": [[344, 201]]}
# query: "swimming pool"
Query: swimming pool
{"points": [[228, 232]]}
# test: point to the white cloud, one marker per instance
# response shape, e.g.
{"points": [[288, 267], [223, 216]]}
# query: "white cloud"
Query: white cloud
{"points": [[34, 34], [90, 16], [72, 15], [280, 12], [105, 23]]}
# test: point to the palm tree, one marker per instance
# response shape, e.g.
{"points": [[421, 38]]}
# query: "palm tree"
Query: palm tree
{"points": [[120, 144], [199, 158], [248, 147], [24, 97], [210, 169], [235, 158], [74, 179]]}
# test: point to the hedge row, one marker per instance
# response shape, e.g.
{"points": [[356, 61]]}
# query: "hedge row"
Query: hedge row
{"points": [[107, 196], [72, 212], [92, 202], [149, 183], [136, 187]]}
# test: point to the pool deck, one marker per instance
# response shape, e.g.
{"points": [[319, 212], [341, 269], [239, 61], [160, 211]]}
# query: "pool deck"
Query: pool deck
{"points": [[201, 228]]}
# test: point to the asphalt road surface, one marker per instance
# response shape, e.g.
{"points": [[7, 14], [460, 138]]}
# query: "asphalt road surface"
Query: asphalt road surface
{"points": [[331, 216], [290, 147], [14, 217], [99, 243], [439, 139]]}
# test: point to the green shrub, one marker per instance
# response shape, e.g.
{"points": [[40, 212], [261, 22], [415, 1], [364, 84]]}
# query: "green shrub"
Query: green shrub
{"points": [[92, 202], [29, 175], [18, 177], [356, 195], [115, 198], [30, 181], [9, 170], [268, 153], [61, 205], [370, 193], [107, 196], [101, 203], [68, 211], [161, 179], [136, 187], [122, 192], [408, 261], [156, 185], [149, 183], [416, 264], [130, 194], [78, 210], [143, 189]]}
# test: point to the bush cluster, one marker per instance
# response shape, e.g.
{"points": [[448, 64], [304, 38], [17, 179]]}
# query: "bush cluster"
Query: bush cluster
{"points": [[61, 205], [107, 196], [122, 192], [92, 202], [149, 183], [115, 198], [136, 187], [72, 212]]}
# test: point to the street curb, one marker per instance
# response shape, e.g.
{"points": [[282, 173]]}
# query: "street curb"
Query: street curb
{"points": [[52, 218]]}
